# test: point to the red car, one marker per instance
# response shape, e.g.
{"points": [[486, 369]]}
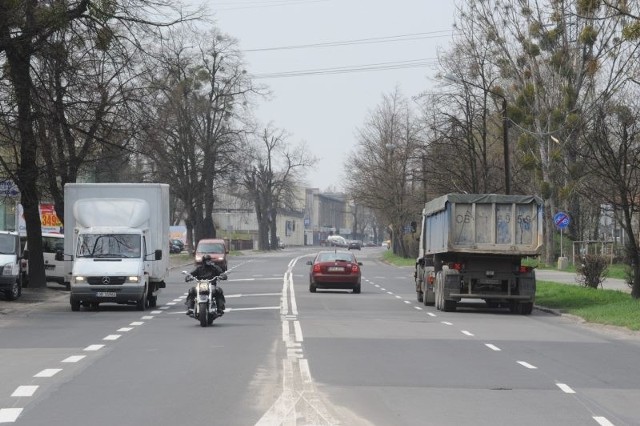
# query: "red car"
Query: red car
{"points": [[334, 270]]}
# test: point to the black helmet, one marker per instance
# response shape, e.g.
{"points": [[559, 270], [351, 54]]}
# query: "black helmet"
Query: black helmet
{"points": [[206, 258]]}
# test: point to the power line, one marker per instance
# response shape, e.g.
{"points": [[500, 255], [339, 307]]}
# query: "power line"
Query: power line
{"points": [[371, 40], [381, 66]]}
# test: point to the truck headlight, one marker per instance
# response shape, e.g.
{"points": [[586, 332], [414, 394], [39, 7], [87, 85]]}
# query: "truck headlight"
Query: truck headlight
{"points": [[80, 279], [133, 279], [7, 269]]}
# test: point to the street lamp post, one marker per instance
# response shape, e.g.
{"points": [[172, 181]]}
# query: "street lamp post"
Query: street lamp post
{"points": [[505, 128]]}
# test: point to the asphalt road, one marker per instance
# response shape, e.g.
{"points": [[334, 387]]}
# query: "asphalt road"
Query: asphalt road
{"points": [[284, 356]]}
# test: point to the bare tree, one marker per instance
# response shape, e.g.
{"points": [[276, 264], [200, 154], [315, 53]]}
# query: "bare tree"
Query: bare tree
{"points": [[270, 179], [611, 152], [389, 151], [195, 131]]}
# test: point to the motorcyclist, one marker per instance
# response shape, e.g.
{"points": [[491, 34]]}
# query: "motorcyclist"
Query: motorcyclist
{"points": [[205, 271]]}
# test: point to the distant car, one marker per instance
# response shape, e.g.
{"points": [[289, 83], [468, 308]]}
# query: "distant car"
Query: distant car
{"points": [[174, 248], [354, 245], [216, 248], [177, 243], [334, 270]]}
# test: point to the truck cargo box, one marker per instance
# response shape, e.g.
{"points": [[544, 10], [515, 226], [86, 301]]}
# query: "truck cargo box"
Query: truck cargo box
{"points": [[483, 224]]}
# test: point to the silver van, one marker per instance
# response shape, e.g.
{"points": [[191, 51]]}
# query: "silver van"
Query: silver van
{"points": [[10, 277], [54, 269]]}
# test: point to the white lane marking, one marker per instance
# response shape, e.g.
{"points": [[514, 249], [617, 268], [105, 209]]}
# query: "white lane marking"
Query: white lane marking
{"points": [[137, 323], [112, 337], [305, 372], [389, 293], [285, 331], [147, 317], [251, 295], [298, 331], [124, 329], [383, 289], [167, 307], [254, 279], [74, 358], [177, 300], [527, 365], [446, 323], [24, 391], [155, 312], [468, 333], [294, 304], [377, 285], [418, 308], [602, 421], [431, 314], [408, 302], [9, 415], [259, 308], [565, 388], [94, 347], [492, 347], [48, 372], [398, 297], [170, 304]]}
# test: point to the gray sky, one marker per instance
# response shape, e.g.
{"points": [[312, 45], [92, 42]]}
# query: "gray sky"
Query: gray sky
{"points": [[325, 109]]}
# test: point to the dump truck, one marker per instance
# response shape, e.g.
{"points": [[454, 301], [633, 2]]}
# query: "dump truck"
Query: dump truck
{"points": [[116, 243], [472, 247]]}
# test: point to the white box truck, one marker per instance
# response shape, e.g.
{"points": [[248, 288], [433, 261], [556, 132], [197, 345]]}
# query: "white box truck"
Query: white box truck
{"points": [[472, 246], [116, 242]]}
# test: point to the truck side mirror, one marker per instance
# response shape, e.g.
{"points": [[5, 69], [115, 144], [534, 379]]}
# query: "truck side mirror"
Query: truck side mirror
{"points": [[158, 254]]}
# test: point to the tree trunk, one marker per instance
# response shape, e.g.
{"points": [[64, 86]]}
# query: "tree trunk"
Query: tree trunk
{"points": [[19, 61]]}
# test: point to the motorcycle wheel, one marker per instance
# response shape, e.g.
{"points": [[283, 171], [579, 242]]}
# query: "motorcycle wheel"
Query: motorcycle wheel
{"points": [[203, 314]]}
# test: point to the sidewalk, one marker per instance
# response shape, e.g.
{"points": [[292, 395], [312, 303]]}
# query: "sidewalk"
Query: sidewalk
{"points": [[570, 278]]}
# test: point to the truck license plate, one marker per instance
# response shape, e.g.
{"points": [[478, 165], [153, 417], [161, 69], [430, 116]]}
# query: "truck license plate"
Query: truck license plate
{"points": [[106, 294]]}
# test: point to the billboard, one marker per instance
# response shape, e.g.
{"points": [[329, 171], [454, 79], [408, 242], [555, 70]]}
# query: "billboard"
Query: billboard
{"points": [[48, 219]]}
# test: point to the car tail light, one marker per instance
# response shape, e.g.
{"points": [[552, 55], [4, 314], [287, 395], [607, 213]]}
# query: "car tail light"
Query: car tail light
{"points": [[429, 279], [316, 267], [354, 269]]}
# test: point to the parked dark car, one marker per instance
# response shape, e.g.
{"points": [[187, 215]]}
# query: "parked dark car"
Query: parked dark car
{"points": [[354, 245], [178, 243], [334, 270], [174, 248]]}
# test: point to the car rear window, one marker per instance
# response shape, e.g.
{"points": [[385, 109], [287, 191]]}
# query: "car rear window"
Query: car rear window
{"points": [[211, 248], [336, 257]]}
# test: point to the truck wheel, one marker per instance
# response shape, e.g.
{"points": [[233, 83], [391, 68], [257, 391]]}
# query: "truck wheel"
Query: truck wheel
{"points": [[153, 301], [143, 303], [525, 308], [75, 304], [419, 296], [438, 291]]}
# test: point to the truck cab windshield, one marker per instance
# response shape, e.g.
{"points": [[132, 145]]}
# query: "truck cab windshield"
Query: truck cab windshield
{"points": [[109, 246], [7, 244]]}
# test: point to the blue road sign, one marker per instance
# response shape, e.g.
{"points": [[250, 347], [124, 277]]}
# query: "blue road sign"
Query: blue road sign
{"points": [[561, 219]]}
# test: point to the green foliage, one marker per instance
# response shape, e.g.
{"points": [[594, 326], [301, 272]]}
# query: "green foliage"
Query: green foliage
{"points": [[609, 307], [587, 7], [589, 35], [592, 271], [632, 31], [394, 259], [104, 36], [545, 190]]}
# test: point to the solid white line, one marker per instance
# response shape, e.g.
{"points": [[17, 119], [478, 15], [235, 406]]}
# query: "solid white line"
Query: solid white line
{"points": [[431, 314], [124, 329], [527, 365], [565, 388], [446, 323], [24, 391], [294, 304], [467, 333], [305, 372], [49, 372], [94, 347], [602, 421], [418, 308], [298, 331], [259, 308], [112, 337], [492, 347], [285, 331], [137, 323], [9, 415], [251, 295], [74, 358]]}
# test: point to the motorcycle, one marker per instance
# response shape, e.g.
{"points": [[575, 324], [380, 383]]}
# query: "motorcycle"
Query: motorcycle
{"points": [[205, 309]]}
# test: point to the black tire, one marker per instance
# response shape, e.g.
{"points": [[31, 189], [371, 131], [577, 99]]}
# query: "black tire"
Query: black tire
{"points": [[143, 303], [356, 289], [75, 304], [67, 286], [449, 306], [14, 292], [525, 308], [312, 287], [203, 315], [419, 296], [210, 319], [153, 301]]}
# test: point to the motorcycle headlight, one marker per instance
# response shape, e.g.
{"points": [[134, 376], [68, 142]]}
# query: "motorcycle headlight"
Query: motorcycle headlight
{"points": [[203, 287]]}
